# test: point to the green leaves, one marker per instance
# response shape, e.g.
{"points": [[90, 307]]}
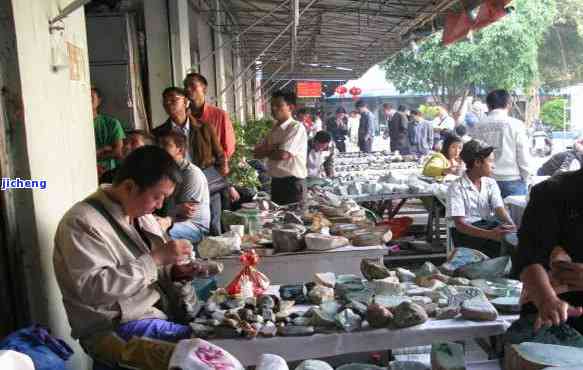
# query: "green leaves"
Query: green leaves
{"points": [[247, 136], [554, 113], [503, 55]]}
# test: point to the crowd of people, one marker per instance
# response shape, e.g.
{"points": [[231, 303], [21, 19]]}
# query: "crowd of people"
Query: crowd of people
{"points": [[128, 245]]}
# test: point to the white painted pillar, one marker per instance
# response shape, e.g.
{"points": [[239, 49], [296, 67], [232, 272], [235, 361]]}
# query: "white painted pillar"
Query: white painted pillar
{"points": [[178, 12], [220, 60], [158, 49], [207, 64], [239, 86]]}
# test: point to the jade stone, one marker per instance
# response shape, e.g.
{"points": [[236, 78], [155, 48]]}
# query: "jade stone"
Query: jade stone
{"points": [[489, 269], [408, 314], [447, 356], [534, 356]]}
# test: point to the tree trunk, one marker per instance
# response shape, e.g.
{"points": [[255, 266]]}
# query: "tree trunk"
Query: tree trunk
{"points": [[532, 111]]}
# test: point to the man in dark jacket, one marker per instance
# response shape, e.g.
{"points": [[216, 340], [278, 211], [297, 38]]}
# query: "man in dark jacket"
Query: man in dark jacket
{"points": [[569, 160], [365, 127], [337, 126], [399, 131]]}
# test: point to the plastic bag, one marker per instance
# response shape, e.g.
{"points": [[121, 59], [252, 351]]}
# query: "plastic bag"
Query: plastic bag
{"points": [[260, 282]]}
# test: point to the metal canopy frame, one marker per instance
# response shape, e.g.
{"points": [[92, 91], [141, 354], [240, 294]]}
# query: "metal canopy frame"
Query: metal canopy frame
{"points": [[325, 39]]}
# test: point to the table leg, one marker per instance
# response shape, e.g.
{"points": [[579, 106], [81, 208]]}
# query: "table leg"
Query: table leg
{"points": [[393, 212]]}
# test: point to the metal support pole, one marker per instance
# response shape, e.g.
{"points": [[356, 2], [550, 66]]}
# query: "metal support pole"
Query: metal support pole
{"points": [[68, 10], [267, 47], [244, 31], [295, 16]]}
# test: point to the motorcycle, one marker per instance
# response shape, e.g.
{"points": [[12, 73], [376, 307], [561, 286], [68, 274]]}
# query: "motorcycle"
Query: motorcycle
{"points": [[541, 145]]}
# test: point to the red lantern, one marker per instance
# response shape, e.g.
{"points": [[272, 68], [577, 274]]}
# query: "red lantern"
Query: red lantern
{"points": [[355, 91], [341, 90]]}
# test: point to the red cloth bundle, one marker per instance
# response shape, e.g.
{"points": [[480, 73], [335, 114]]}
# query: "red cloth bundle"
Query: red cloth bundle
{"points": [[260, 282]]}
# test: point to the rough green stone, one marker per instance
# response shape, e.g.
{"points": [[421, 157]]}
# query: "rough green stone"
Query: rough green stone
{"points": [[538, 355], [446, 313], [348, 321], [405, 275], [427, 269], [522, 330], [408, 314], [374, 270], [462, 257], [321, 318], [447, 356], [478, 309], [490, 269]]}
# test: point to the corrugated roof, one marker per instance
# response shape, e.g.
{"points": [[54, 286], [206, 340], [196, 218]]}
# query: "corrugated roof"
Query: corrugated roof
{"points": [[336, 39]]}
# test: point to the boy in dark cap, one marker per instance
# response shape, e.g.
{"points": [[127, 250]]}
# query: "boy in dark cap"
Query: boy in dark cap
{"points": [[475, 209]]}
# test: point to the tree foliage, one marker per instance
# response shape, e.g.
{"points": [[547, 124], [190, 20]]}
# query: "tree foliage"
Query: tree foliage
{"points": [[503, 55], [247, 135], [553, 113], [561, 55]]}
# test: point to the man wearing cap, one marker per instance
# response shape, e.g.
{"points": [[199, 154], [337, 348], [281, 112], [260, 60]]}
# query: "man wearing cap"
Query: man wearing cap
{"points": [[338, 127], [475, 209]]}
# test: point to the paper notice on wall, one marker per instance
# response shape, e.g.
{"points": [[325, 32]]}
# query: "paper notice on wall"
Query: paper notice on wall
{"points": [[76, 63]]}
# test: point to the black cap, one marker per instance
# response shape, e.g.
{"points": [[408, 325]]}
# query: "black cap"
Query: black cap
{"points": [[475, 150], [340, 110]]}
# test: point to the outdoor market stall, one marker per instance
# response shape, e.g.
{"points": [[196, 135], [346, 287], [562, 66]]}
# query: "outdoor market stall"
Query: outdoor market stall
{"points": [[340, 314]]}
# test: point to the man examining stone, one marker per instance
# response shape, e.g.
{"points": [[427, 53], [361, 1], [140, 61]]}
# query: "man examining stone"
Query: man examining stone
{"points": [[188, 208], [115, 267], [285, 147], [321, 154], [552, 220], [475, 208]]}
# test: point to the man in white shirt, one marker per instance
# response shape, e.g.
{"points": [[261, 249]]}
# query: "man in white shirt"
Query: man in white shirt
{"points": [[443, 124], [285, 147], [475, 208], [321, 154], [508, 136]]}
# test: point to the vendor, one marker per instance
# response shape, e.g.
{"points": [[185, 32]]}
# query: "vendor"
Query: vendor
{"points": [[114, 265], [474, 205], [446, 162], [553, 218], [285, 148], [188, 207], [321, 153]]}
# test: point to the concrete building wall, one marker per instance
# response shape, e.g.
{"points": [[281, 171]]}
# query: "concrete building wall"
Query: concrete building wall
{"points": [[59, 143], [206, 66], [158, 56]]}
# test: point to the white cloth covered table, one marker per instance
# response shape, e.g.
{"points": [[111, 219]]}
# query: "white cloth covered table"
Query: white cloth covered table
{"points": [[291, 268], [325, 345]]}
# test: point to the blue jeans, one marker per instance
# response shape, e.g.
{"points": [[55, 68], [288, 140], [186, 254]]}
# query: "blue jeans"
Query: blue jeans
{"points": [[515, 187], [186, 230]]}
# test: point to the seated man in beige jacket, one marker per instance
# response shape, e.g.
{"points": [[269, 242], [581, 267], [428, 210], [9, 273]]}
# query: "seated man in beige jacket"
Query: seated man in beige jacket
{"points": [[116, 269]]}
